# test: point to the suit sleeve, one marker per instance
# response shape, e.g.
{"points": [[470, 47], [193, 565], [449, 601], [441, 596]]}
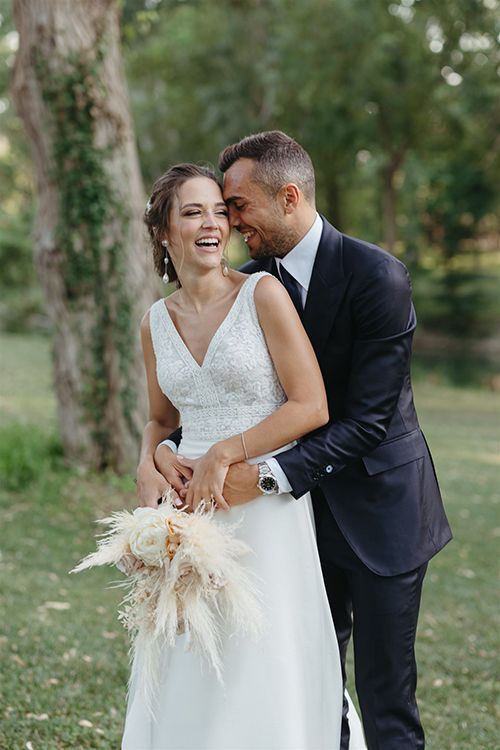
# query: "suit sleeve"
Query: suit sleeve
{"points": [[384, 322], [175, 437]]}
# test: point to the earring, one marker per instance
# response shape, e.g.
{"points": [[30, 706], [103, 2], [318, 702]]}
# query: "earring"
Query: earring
{"points": [[165, 277], [225, 266]]}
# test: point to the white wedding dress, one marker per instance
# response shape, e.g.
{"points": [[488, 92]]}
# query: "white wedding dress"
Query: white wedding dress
{"points": [[283, 691]]}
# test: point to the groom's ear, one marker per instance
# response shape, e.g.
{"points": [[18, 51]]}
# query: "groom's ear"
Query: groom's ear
{"points": [[289, 196]]}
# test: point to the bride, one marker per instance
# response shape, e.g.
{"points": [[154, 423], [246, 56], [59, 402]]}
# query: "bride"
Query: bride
{"points": [[227, 356]]}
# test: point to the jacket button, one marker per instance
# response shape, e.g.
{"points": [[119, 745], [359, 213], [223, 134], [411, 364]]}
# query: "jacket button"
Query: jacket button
{"points": [[328, 469]]}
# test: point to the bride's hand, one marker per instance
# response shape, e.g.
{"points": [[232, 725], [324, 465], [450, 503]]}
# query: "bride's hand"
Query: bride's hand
{"points": [[151, 485], [209, 474]]}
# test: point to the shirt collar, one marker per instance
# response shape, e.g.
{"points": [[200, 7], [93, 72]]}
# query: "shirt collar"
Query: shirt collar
{"points": [[300, 260]]}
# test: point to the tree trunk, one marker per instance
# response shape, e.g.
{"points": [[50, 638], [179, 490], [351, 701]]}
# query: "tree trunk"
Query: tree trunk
{"points": [[389, 199], [89, 244], [333, 202], [389, 208]]}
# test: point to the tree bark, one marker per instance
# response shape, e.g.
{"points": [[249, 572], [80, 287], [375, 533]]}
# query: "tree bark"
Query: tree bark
{"points": [[389, 207], [334, 202], [98, 371], [389, 198]]}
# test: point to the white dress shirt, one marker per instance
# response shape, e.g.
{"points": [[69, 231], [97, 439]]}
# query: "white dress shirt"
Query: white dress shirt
{"points": [[299, 263]]}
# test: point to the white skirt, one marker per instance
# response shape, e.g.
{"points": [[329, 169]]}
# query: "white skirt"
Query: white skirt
{"points": [[282, 692]]}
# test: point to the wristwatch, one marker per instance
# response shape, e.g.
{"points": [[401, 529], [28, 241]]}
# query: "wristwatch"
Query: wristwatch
{"points": [[267, 483]]}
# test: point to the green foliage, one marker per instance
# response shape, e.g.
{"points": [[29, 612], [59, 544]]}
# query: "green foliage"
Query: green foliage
{"points": [[27, 453], [456, 309], [85, 197], [16, 261], [21, 304], [387, 96], [365, 86], [21, 308], [20, 297], [464, 303]]}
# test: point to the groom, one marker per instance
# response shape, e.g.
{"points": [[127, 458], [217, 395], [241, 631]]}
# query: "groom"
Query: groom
{"points": [[378, 510]]}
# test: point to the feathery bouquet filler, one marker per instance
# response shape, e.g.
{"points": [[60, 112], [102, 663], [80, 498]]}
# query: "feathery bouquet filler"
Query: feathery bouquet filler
{"points": [[184, 574]]}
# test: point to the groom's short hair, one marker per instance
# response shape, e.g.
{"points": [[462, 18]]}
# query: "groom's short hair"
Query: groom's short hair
{"points": [[278, 160]]}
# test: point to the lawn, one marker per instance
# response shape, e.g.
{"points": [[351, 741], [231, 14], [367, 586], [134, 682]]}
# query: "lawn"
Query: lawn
{"points": [[63, 654]]}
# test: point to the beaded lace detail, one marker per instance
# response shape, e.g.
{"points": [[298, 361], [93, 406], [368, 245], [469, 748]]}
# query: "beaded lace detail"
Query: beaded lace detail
{"points": [[235, 387]]}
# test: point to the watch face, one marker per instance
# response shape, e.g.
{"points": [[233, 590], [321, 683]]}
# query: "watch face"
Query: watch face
{"points": [[267, 484]]}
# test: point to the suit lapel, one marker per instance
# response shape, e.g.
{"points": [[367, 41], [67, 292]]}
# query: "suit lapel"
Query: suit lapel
{"points": [[327, 287], [273, 268]]}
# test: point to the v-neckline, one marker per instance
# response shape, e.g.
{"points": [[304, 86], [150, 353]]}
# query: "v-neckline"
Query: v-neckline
{"points": [[217, 333]]}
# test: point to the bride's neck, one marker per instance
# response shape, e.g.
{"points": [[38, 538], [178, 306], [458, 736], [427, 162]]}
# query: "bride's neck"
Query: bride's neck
{"points": [[200, 291]]}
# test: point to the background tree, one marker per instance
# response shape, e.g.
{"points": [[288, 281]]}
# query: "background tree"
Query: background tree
{"points": [[70, 93], [20, 294], [397, 102]]}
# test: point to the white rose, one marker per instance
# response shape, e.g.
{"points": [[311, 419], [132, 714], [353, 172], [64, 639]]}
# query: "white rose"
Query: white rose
{"points": [[147, 540]]}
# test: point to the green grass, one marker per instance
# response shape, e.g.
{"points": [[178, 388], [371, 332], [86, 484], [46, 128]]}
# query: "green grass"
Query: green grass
{"points": [[65, 663], [25, 380], [458, 636]]}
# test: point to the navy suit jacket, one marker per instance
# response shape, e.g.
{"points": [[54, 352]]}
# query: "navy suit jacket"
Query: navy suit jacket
{"points": [[371, 462]]}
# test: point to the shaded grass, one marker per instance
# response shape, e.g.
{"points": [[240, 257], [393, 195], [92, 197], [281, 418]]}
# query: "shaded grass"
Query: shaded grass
{"points": [[63, 654]]}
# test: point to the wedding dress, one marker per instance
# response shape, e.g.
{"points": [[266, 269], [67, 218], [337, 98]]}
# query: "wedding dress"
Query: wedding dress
{"points": [[283, 691]]}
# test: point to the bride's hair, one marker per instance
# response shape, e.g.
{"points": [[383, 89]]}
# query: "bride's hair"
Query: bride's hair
{"points": [[159, 205]]}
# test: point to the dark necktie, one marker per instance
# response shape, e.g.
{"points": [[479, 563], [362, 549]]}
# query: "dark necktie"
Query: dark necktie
{"points": [[293, 288]]}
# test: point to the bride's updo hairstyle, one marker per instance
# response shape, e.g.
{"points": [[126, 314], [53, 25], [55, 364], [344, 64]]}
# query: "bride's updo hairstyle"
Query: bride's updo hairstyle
{"points": [[159, 206]]}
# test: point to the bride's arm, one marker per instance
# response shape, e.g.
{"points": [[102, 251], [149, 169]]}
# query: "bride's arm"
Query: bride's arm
{"points": [[163, 419], [298, 371], [300, 376]]}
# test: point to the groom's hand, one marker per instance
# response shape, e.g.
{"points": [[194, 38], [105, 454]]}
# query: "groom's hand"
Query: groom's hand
{"points": [[241, 483], [167, 462]]}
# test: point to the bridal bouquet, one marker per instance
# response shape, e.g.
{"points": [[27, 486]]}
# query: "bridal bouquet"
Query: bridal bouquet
{"points": [[184, 574]]}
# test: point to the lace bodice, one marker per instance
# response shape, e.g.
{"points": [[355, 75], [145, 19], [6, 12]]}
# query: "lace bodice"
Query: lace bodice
{"points": [[235, 387]]}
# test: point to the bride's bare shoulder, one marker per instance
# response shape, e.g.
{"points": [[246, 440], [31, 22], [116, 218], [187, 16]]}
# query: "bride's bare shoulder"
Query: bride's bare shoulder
{"points": [[268, 287], [272, 299]]}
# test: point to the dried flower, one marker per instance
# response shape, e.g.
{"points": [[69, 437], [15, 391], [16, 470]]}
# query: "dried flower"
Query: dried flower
{"points": [[184, 575]]}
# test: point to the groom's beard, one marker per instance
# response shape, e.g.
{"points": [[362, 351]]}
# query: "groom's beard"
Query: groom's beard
{"points": [[276, 244]]}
